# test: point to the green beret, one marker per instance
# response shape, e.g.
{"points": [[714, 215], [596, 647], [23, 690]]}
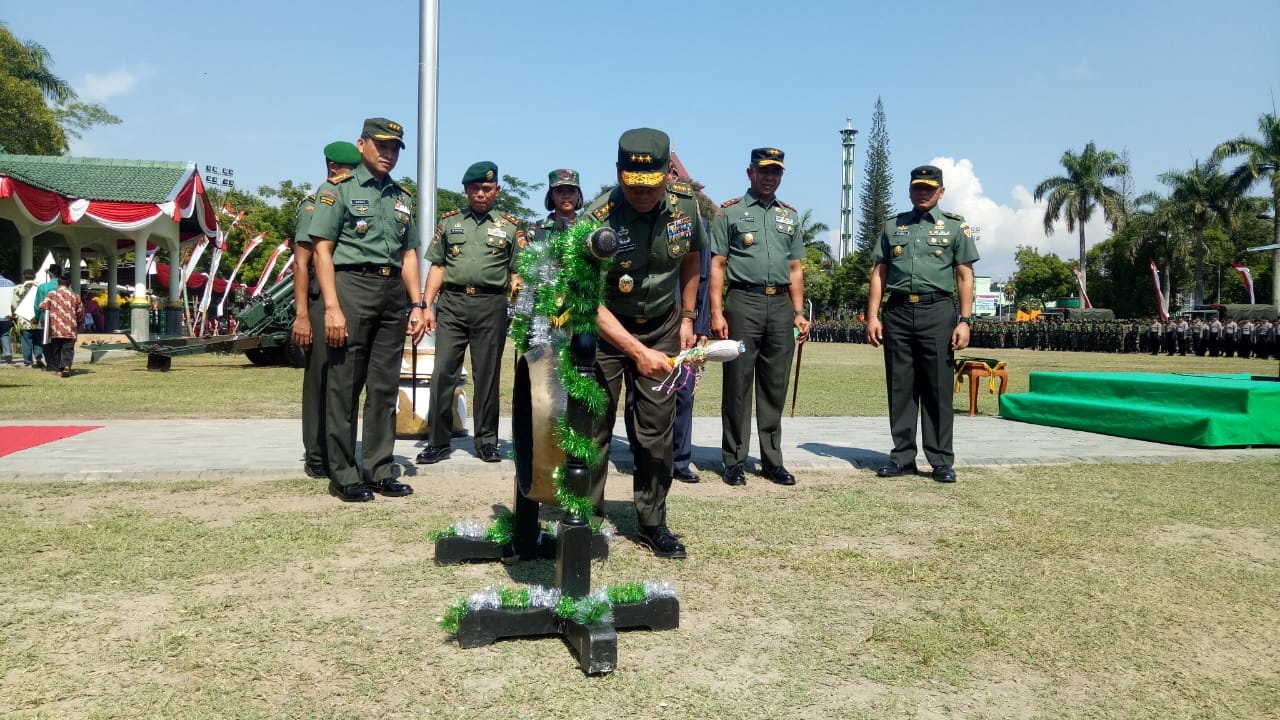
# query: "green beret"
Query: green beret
{"points": [[342, 152], [927, 175], [643, 155], [383, 129], [483, 171], [761, 157]]}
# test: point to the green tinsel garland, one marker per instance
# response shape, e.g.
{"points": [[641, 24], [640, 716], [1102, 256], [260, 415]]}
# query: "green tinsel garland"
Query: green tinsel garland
{"points": [[572, 503], [584, 610], [578, 286], [626, 593]]}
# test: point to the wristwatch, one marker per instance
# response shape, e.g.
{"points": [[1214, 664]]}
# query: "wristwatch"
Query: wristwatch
{"points": [[421, 304], [966, 319]]}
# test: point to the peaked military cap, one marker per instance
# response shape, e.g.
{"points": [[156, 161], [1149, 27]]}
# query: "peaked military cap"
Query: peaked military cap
{"points": [[483, 171], [927, 175], [384, 129], [342, 152], [761, 157], [643, 156]]}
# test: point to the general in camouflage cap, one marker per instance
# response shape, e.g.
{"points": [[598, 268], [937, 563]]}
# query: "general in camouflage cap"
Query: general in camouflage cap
{"points": [[927, 175], [342, 152], [483, 171], [562, 177], [760, 157], [643, 156], [383, 129]]}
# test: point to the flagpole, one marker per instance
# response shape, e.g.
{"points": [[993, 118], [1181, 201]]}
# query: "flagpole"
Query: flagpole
{"points": [[428, 106]]}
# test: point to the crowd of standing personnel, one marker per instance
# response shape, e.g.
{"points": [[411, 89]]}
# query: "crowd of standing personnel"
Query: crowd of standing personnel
{"points": [[675, 282]]}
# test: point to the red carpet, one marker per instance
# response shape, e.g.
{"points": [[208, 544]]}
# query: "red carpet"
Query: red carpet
{"points": [[20, 437]]}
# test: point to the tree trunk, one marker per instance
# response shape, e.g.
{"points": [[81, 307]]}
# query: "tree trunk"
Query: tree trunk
{"points": [[1083, 276], [1198, 298], [1275, 254]]}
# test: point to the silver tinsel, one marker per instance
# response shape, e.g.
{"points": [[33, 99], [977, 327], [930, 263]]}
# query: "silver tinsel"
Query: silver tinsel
{"points": [[658, 589], [469, 528]]}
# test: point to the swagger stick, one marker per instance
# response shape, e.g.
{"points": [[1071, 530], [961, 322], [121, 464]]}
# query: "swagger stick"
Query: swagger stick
{"points": [[795, 383]]}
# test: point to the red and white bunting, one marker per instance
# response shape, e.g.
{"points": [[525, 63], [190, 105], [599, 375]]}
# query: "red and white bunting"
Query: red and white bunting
{"points": [[248, 248], [1247, 277], [1084, 297], [271, 264], [1155, 278]]}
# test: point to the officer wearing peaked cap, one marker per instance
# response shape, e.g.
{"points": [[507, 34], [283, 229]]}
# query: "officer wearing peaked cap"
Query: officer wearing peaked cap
{"points": [[924, 263], [473, 269], [340, 158], [651, 291], [758, 248], [367, 265]]}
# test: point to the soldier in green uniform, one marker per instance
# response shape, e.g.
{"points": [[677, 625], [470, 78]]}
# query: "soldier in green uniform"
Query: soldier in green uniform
{"points": [[756, 240], [563, 201], [644, 319], [367, 266], [473, 267], [924, 260], [340, 157]]}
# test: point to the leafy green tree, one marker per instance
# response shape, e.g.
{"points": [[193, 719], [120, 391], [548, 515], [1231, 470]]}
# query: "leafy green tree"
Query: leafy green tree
{"points": [[809, 231], [1044, 277], [1201, 195], [851, 284], [1074, 196], [515, 193], [1262, 156], [874, 200]]}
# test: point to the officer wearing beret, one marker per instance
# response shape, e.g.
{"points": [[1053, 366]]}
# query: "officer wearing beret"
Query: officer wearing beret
{"points": [[340, 158], [756, 241], [473, 267], [650, 293], [924, 261], [367, 266]]}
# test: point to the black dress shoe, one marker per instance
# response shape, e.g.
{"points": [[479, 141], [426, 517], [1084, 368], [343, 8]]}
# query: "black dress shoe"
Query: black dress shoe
{"points": [[489, 453], [660, 540], [734, 475], [944, 474], [434, 454], [893, 469], [391, 488], [779, 475], [355, 492], [314, 472], [685, 475]]}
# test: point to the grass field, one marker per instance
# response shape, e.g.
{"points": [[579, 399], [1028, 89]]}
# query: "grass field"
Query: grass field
{"points": [[1078, 591]]}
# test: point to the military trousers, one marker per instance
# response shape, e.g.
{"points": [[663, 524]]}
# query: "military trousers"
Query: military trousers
{"points": [[681, 427], [655, 408], [374, 307], [765, 325], [920, 377], [478, 321], [314, 380]]}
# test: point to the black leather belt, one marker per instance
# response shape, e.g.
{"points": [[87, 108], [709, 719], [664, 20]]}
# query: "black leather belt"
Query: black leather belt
{"points": [[913, 298], [780, 288], [366, 269], [474, 289]]}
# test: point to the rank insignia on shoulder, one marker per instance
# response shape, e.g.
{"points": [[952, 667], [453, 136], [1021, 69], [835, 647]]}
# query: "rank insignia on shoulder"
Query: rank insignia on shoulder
{"points": [[340, 178], [511, 219], [603, 211], [730, 203], [681, 188], [328, 197], [787, 206], [953, 216], [451, 213]]}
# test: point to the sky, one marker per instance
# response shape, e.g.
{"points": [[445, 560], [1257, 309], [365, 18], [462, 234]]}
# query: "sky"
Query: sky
{"points": [[991, 92]]}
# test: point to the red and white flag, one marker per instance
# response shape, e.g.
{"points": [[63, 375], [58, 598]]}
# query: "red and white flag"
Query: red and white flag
{"points": [[1155, 278], [248, 248], [271, 264], [286, 271], [1247, 277], [1084, 296], [196, 252], [218, 247]]}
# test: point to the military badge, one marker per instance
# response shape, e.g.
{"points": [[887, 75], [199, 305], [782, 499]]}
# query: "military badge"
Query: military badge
{"points": [[680, 228], [944, 241], [402, 208], [626, 284], [897, 250], [937, 253], [968, 233], [748, 239], [456, 249], [360, 207], [362, 226]]}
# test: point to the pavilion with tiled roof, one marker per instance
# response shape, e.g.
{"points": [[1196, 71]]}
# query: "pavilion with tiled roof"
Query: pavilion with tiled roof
{"points": [[73, 206]]}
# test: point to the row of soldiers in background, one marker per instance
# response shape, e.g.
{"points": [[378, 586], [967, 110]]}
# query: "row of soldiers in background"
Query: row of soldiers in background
{"points": [[1244, 339]]}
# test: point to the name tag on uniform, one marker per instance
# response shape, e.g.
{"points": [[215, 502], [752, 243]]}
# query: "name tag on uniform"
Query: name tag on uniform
{"points": [[901, 233], [360, 206], [746, 219], [679, 229], [455, 230]]}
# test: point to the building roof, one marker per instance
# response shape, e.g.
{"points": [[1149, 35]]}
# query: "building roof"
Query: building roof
{"points": [[141, 181]]}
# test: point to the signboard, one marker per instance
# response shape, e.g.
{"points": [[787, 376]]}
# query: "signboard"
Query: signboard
{"points": [[219, 177], [986, 303]]}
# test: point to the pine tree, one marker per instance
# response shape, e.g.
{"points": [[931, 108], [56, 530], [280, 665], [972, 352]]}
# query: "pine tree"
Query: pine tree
{"points": [[877, 186]]}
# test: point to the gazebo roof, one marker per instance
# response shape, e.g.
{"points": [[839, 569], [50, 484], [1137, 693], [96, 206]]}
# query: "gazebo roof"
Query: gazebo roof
{"points": [[140, 181]]}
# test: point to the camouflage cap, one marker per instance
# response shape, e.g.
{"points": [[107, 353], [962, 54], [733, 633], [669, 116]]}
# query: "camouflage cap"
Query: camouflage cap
{"points": [[761, 157], [483, 171], [383, 129], [563, 177], [342, 152], [643, 156], [927, 175]]}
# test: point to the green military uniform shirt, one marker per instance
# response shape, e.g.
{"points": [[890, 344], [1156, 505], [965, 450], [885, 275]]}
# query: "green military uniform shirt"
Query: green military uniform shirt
{"points": [[645, 275], [302, 227], [923, 250], [477, 249], [370, 221], [758, 241]]}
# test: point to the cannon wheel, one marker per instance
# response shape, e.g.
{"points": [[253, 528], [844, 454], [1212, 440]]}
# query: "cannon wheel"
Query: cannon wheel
{"points": [[263, 356]]}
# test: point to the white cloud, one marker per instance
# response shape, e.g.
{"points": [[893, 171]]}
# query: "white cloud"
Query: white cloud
{"points": [[1004, 226], [99, 87]]}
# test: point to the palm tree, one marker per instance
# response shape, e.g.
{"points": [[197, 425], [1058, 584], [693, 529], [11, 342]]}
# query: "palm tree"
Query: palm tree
{"points": [[1074, 196], [1202, 194], [809, 230], [36, 71], [1262, 155]]}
